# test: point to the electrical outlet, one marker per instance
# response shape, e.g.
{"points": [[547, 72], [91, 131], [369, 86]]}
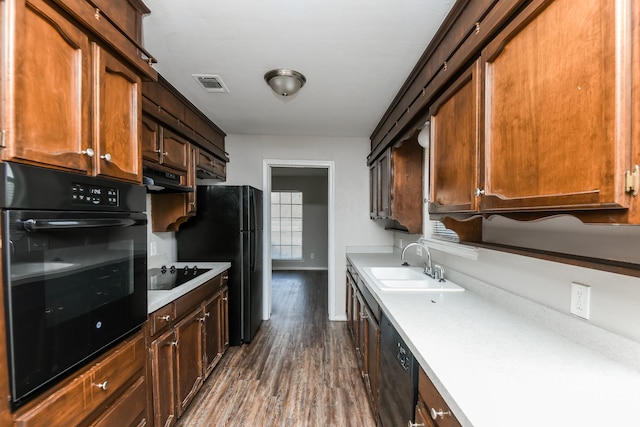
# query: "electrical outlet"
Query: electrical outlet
{"points": [[401, 244], [312, 255], [153, 248], [580, 300], [419, 250]]}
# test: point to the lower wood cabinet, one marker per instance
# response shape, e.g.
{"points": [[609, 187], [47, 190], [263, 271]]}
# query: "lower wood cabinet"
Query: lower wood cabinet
{"points": [[189, 357], [431, 409], [110, 391], [365, 331], [187, 338]]}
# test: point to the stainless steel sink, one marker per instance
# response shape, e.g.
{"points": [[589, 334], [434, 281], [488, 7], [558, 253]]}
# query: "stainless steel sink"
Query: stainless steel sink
{"points": [[408, 279]]}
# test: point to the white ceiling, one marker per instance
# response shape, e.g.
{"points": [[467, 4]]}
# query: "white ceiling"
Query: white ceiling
{"points": [[355, 54]]}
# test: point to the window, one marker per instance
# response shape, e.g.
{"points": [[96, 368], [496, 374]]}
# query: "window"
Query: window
{"points": [[286, 225]]}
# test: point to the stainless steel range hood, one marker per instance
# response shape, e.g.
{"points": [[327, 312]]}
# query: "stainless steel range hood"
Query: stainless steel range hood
{"points": [[158, 181]]}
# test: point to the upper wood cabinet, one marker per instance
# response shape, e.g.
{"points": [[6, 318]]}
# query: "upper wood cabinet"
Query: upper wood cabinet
{"points": [[67, 103], [117, 114], [542, 122], [46, 115], [395, 192], [557, 108], [454, 145]]}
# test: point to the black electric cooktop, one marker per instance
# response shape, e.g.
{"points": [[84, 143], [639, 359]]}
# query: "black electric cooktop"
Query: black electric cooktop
{"points": [[165, 278]]}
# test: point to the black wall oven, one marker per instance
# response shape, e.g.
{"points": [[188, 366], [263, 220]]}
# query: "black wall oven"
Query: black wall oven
{"points": [[74, 271]]}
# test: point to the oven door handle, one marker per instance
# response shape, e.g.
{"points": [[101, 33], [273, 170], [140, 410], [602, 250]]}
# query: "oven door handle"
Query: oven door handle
{"points": [[62, 224]]}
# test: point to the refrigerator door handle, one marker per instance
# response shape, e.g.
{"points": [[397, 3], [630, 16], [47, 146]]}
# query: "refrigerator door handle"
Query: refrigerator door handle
{"points": [[252, 256]]}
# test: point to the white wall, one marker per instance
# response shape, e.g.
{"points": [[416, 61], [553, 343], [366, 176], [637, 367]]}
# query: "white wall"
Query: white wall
{"points": [[351, 205]]}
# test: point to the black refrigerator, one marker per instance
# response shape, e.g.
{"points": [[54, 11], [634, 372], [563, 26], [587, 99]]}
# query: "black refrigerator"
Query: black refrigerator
{"points": [[228, 227]]}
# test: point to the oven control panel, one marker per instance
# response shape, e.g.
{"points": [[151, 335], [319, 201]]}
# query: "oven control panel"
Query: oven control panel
{"points": [[83, 194]]}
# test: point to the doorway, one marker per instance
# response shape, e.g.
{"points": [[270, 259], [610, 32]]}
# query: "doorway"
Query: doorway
{"points": [[317, 253]]}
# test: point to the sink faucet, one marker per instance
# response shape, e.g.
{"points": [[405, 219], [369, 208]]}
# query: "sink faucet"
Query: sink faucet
{"points": [[428, 268]]}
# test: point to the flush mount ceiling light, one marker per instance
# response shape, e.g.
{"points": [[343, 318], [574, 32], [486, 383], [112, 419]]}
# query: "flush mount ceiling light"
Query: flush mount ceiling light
{"points": [[285, 82]]}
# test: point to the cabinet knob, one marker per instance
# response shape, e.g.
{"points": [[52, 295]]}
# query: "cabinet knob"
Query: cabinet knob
{"points": [[164, 153], [103, 385], [173, 343], [106, 157], [88, 152], [166, 318], [439, 414], [415, 424], [225, 299], [478, 192]]}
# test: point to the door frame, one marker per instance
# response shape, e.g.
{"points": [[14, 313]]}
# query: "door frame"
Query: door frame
{"points": [[267, 164]]}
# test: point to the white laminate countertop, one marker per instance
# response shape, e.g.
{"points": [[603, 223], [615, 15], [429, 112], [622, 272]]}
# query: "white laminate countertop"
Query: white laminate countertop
{"points": [[496, 368], [158, 299]]}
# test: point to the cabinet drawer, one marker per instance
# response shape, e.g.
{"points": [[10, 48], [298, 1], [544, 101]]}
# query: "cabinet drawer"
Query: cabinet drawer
{"points": [[130, 410], [195, 297], [434, 402], [65, 407], [70, 403], [110, 375], [161, 318]]}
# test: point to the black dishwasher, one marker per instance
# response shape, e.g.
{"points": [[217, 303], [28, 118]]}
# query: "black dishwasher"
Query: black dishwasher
{"points": [[398, 378]]}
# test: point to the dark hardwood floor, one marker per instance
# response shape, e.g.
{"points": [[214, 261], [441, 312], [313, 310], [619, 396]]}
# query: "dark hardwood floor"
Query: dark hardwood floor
{"points": [[300, 369]]}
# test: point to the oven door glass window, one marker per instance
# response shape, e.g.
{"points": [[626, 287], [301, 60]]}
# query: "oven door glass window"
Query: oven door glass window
{"points": [[76, 283]]}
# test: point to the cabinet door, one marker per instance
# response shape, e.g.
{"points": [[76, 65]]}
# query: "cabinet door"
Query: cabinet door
{"points": [[349, 303], [384, 184], [163, 359], [212, 336], [188, 358], [117, 112], [373, 190], [191, 179], [453, 163], [422, 415], [46, 88], [373, 358], [225, 315], [558, 108], [363, 335], [150, 139], [175, 150]]}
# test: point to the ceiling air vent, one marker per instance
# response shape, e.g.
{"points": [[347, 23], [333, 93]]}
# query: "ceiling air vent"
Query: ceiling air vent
{"points": [[211, 83]]}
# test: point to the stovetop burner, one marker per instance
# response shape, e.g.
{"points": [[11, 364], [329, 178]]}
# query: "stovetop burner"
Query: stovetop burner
{"points": [[165, 278]]}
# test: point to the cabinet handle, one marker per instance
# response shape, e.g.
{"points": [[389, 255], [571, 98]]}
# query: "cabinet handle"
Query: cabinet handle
{"points": [[103, 385], [88, 152], [415, 424], [106, 157], [478, 192], [435, 414], [164, 153], [203, 318], [166, 318]]}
